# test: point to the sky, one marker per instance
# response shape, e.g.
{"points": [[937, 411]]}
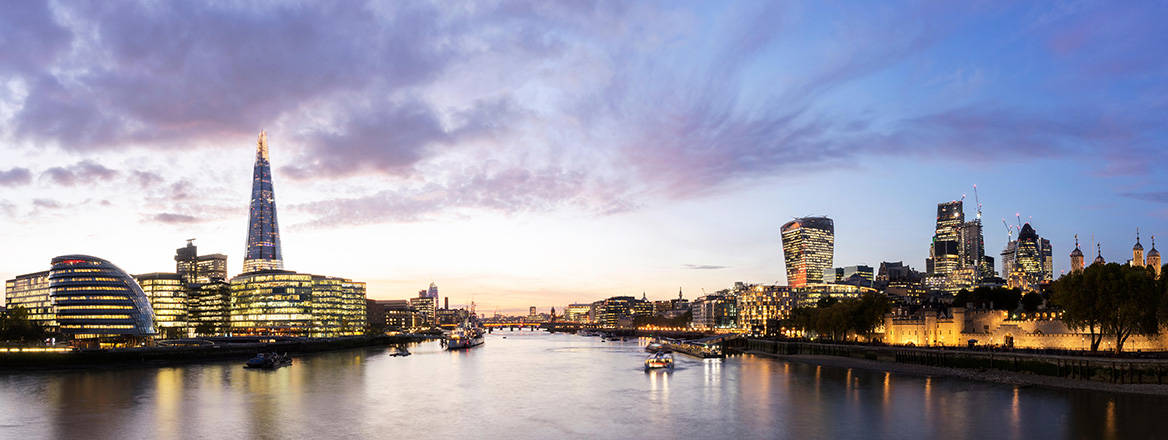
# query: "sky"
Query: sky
{"points": [[542, 153]]}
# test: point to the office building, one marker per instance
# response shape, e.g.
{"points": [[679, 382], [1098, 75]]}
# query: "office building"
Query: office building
{"points": [[809, 295], [98, 303], [263, 232], [31, 292], [286, 303], [715, 311], [426, 308], [762, 307], [1027, 262], [808, 249], [945, 250], [577, 312], [168, 299], [209, 308]]}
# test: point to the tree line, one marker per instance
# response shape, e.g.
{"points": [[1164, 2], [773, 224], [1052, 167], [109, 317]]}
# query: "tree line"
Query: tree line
{"points": [[836, 319], [1113, 300]]}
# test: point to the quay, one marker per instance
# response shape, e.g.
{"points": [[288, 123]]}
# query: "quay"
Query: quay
{"points": [[186, 351]]}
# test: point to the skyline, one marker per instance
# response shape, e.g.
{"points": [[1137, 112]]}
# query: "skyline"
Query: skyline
{"points": [[533, 169]]}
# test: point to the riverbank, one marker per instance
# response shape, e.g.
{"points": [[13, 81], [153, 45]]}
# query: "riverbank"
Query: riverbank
{"points": [[161, 356], [984, 375]]}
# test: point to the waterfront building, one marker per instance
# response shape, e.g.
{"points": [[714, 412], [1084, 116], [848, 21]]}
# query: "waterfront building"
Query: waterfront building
{"points": [[263, 232], [810, 294], [715, 311], [425, 306], [577, 312], [98, 303], [762, 307], [1077, 257], [808, 249], [1154, 258], [621, 310], [168, 299], [286, 303], [399, 315], [31, 292], [1027, 261], [209, 310]]}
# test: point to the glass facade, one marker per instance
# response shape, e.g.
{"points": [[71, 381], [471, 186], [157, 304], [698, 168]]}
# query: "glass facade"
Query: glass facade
{"points": [[1027, 262], [946, 248], [263, 232], [808, 249], [97, 300], [168, 299], [210, 308], [31, 292], [284, 303], [761, 307]]}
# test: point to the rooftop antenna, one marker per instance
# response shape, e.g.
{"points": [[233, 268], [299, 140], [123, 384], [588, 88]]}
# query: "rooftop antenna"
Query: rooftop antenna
{"points": [[191, 241]]}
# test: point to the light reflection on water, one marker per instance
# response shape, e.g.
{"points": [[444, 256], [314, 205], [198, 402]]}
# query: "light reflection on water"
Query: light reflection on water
{"points": [[534, 385]]}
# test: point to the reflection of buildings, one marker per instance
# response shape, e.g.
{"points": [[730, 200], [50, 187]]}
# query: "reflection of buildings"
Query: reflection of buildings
{"points": [[808, 248], [31, 292], [97, 301]]}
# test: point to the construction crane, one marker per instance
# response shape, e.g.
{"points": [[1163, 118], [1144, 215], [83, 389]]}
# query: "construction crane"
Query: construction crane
{"points": [[977, 200]]}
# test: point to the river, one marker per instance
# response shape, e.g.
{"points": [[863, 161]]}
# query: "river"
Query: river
{"points": [[527, 385]]}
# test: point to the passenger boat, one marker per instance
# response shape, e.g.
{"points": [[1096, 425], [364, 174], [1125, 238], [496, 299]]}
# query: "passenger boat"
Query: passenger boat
{"points": [[400, 351], [659, 360], [466, 335], [269, 361]]}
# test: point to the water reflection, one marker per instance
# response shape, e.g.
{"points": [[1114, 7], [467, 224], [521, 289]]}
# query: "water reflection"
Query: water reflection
{"points": [[533, 385]]}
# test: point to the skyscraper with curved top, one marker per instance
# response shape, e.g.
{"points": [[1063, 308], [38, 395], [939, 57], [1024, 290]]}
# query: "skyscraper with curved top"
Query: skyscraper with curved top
{"points": [[808, 249], [263, 233]]}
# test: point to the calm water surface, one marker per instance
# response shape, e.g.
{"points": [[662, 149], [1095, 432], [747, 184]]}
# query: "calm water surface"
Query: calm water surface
{"points": [[535, 385]]}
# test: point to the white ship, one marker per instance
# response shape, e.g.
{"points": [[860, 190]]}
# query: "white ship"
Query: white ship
{"points": [[466, 335]]}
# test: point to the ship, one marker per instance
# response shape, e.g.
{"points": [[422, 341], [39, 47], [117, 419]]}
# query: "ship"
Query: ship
{"points": [[466, 335]]}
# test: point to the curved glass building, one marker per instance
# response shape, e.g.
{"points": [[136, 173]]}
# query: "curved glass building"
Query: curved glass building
{"points": [[97, 300]]}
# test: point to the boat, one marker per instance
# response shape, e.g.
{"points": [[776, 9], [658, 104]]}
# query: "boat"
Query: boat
{"points": [[400, 351], [659, 360], [654, 347], [468, 334], [269, 361]]}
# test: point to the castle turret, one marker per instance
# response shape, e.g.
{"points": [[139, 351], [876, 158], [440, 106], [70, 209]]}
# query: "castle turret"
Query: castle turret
{"points": [[1137, 252], [1154, 257], [1098, 255], [1076, 256]]}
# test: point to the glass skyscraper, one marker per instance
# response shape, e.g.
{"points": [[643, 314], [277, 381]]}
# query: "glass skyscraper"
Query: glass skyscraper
{"points": [[808, 249], [263, 233]]}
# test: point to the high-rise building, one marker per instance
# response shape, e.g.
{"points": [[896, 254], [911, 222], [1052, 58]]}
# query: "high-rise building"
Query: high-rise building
{"points": [[808, 249], [1076, 257], [263, 232], [531, 312], [1030, 260], [715, 311], [168, 299], [432, 291], [945, 251], [210, 308], [31, 292], [426, 308], [98, 302]]}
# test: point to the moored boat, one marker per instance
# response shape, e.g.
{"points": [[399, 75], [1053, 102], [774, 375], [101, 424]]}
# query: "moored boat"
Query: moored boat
{"points": [[269, 361], [400, 351], [466, 335]]}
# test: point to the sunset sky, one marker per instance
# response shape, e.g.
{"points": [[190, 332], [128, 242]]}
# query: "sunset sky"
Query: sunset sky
{"points": [[541, 153]]}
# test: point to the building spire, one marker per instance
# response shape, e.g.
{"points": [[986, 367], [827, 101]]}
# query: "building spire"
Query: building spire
{"points": [[262, 146]]}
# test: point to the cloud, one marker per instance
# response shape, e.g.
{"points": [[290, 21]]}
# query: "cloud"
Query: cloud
{"points": [[15, 176], [79, 173], [702, 267], [175, 219], [46, 203]]}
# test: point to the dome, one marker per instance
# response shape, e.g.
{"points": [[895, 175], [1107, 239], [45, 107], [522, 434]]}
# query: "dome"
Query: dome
{"points": [[1076, 253], [1027, 233]]}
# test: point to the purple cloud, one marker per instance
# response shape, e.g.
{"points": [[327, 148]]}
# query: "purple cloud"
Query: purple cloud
{"points": [[15, 176], [79, 173]]}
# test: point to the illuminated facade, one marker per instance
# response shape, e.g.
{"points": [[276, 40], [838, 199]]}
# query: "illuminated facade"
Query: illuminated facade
{"points": [[715, 311], [1077, 257], [96, 300], [808, 249], [945, 251], [809, 295], [1138, 253], [426, 308], [761, 307], [263, 232], [31, 292], [1154, 258], [168, 299], [210, 308], [199, 269], [577, 312], [285, 303], [1027, 262]]}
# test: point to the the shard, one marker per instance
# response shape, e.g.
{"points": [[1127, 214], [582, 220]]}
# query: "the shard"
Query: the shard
{"points": [[263, 233]]}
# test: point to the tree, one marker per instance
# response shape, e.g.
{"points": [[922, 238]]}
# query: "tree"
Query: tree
{"points": [[1110, 300], [15, 325], [1031, 301]]}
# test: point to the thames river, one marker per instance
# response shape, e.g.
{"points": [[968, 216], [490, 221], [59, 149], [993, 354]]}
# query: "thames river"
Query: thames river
{"points": [[526, 384]]}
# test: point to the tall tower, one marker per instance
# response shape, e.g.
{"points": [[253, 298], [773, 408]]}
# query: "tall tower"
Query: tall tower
{"points": [[1076, 257], [1154, 258], [808, 249], [1137, 252], [263, 233], [945, 250]]}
